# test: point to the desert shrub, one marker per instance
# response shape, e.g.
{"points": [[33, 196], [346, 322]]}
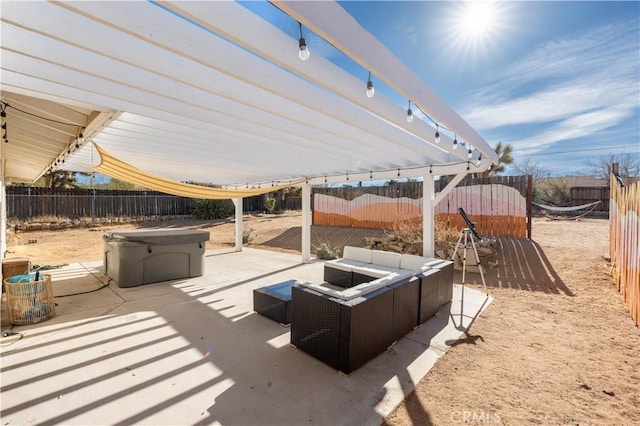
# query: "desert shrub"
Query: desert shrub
{"points": [[326, 252], [446, 237], [409, 231], [270, 205], [554, 193], [212, 209], [247, 236]]}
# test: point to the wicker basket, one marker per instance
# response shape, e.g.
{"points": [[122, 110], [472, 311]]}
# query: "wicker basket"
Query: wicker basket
{"points": [[15, 266], [30, 302]]}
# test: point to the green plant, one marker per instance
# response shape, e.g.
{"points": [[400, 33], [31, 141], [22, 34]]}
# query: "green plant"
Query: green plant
{"points": [[212, 209], [270, 205], [326, 252], [247, 236], [554, 193]]}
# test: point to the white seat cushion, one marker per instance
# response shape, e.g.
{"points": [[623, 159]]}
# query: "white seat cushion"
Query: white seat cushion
{"points": [[375, 271], [366, 288], [360, 289], [344, 264]]}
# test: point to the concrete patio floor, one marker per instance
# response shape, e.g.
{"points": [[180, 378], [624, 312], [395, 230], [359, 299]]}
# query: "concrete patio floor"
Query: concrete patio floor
{"points": [[192, 351]]}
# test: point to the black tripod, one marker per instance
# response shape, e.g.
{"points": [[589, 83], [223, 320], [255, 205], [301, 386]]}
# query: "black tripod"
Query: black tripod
{"points": [[467, 240]]}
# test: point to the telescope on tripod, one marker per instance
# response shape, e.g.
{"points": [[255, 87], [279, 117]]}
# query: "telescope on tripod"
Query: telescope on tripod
{"points": [[466, 239]]}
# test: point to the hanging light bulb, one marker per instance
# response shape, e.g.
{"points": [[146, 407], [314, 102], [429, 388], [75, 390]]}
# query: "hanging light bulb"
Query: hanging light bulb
{"points": [[370, 90], [455, 141], [303, 53], [79, 140], [470, 152], [478, 160], [409, 114], [437, 134]]}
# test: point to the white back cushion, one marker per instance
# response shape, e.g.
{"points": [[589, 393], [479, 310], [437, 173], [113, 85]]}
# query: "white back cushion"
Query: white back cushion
{"points": [[385, 258], [357, 253], [412, 262]]}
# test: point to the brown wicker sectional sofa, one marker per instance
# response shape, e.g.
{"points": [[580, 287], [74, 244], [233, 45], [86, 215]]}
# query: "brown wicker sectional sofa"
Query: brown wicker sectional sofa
{"points": [[348, 322]]}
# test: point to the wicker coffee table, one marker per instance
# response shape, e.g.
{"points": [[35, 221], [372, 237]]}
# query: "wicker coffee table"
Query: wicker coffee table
{"points": [[274, 301]]}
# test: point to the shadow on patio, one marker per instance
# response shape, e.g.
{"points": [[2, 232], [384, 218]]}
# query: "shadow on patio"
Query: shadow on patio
{"points": [[522, 265], [194, 352]]}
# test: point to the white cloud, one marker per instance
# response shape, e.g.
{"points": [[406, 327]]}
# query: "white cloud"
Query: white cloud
{"points": [[577, 126], [554, 103], [566, 89]]}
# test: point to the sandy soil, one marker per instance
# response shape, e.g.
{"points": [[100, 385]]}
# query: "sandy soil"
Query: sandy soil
{"points": [[556, 346], [86, 244]]}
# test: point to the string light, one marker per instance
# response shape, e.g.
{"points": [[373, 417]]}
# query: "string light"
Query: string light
{"points": [[303, 53], [370, 90], [409, 113], [3, 114], [455, 141], [470, 152], [437, 135], [80, 138]]}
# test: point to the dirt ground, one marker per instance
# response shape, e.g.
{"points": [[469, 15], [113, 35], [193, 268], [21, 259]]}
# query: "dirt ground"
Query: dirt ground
{"points": [[556, 346]]}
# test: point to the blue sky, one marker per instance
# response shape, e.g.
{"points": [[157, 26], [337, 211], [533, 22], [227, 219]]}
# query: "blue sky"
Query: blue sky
{"points": [[559, 81]]}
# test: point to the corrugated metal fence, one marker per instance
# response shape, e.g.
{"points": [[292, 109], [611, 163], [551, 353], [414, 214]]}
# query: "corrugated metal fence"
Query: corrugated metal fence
{"points": [[624, 240], [500, 206]]}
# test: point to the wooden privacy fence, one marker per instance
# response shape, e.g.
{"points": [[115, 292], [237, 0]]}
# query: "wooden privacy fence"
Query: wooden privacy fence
{"points": [[28, 202], [624, 241], [500, 206], [373, 207], [581, 195]]}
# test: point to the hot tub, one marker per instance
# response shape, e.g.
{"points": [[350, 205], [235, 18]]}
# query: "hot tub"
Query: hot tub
{"points": [[133, 258]]}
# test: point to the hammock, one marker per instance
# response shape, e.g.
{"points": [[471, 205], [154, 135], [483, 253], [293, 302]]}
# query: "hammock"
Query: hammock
{"points": [[570, 209]]}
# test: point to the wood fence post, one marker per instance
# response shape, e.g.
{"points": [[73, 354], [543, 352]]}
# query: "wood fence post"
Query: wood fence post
{"points": [[529, 201]]}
